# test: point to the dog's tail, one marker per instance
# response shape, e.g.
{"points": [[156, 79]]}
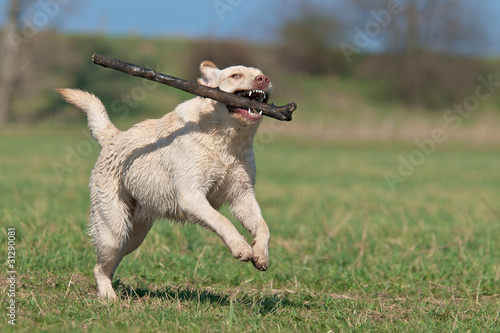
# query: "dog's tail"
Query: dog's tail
{"points": [[100, 126]]}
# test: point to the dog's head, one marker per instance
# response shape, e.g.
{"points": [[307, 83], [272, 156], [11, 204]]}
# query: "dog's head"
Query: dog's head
{"points": [[244, 81]]}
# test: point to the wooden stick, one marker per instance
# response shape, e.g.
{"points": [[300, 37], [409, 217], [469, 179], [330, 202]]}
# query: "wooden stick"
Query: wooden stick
{"points": [[278, 112]]}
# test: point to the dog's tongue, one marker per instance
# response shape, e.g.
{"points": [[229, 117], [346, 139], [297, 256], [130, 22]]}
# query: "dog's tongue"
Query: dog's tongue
{"points": [[249, 114]]}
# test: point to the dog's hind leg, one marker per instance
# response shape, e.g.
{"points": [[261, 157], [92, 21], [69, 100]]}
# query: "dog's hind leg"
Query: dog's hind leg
{"points": [[107, 246], [113, 240], [109, 228], [142, 221]]}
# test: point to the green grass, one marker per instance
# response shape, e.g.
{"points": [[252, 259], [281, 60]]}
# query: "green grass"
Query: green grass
{"points": [[346, 253]]}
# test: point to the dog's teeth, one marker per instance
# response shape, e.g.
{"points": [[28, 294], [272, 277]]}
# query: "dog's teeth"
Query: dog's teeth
{"points": [[250, 93], [260, 113], [254, 112]]}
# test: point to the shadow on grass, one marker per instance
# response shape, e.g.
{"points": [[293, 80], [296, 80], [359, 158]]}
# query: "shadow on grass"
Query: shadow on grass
{"points": [[265, 304]]}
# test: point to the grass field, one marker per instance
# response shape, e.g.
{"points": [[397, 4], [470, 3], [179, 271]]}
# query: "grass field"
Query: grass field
{"points": [[347, 253]]}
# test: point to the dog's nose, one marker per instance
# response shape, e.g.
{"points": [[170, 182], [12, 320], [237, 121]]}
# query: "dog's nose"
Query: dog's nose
{"points": [[261, 82]]}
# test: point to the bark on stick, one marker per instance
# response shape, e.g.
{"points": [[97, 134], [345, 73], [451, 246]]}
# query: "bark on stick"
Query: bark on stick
{"points": [[278, 112]]}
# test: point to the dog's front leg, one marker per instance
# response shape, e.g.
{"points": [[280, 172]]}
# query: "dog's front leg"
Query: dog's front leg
{"points": [[247, 211], [198, 210]]}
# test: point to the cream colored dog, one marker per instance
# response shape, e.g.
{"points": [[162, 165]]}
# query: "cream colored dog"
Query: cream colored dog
{"points": [[182, 167]]}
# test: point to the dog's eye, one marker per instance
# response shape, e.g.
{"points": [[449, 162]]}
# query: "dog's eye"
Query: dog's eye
{"points": [[236, 76]]}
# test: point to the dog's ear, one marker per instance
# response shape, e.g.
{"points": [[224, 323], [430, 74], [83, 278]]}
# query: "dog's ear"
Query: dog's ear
{"points": [[209, 73]]}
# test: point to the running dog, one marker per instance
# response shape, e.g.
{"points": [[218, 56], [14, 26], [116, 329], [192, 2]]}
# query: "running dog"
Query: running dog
{"points": [[182, 167]]}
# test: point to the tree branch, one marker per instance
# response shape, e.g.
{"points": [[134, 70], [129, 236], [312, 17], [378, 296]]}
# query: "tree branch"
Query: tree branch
{"points": [[278, 112]]}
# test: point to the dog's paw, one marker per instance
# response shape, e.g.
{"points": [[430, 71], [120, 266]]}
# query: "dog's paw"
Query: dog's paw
{"points": [[260, 264], [107, 294], [260, 256], [244, 255], [241, 251]]}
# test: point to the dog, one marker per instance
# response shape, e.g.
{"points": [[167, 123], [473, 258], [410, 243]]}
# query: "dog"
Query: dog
{"points": [[182, 167]]}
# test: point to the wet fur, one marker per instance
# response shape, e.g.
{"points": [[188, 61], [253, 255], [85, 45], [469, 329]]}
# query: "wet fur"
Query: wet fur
{"points": [[180, 167]]}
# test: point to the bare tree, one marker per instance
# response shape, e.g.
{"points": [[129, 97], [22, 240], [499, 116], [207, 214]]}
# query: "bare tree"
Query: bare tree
{"points": [[423, 27], [416, 26], [427, 35], [29, 52], [9, 53], [424, 42], [308, 35]]}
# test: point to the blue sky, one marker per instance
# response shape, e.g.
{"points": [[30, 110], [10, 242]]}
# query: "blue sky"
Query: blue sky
{"points": [[255, 20], [219, 18], [185, 18]]}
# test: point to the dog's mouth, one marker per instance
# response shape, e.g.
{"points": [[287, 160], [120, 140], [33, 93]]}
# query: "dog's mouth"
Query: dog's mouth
{"points": [[255, 94]]}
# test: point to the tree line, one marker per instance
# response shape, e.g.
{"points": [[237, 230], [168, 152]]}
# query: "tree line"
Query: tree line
{"points": [[423, 53]]}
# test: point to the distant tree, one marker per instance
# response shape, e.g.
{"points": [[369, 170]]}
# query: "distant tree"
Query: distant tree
{"points": [[425, 43], [222, 53], [308, 38], [28, 51], [424, 51], [9, 51]]}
